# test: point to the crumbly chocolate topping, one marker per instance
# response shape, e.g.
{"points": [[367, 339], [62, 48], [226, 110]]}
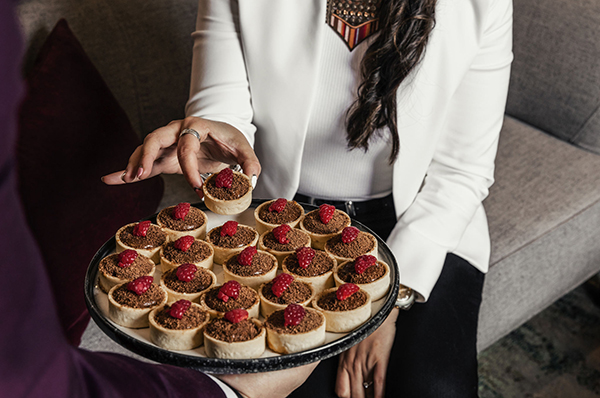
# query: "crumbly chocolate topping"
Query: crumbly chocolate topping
{"points": [[320, 264], [151, 298], [296, 237], [247, 298], [261, 264], [199, 251], [192, 318], [202, 280], [364, 243], [371, 274], [291, 212], [222, 329], [297, 292], [329, 301], [313, 223], [194, 219], [141, 266], [154, 238], [312, 320], [243, 236], [239, 187]]}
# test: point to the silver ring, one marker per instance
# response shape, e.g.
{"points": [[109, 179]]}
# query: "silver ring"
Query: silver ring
{"points": [[367, 384], [190, 131], [123, 177]]}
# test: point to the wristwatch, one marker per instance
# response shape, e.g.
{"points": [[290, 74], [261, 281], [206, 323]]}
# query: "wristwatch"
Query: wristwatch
{"points": [[405, 299]]}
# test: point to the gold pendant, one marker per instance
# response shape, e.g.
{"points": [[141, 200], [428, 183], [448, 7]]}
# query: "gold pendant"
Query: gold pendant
{"points": [[353, 20]]}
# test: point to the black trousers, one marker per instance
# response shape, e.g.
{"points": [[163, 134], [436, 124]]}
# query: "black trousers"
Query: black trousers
{"points": [[434, 353]]}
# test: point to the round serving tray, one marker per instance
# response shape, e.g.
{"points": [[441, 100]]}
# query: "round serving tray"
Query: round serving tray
{"points": [[138, 341]]}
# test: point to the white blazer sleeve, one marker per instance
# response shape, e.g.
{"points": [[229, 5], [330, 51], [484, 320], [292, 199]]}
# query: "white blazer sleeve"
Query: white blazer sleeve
{"points": [[219, 87], [462, 167]]}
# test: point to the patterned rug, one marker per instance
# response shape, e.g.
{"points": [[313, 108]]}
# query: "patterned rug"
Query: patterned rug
{"points": [[555, 354]]}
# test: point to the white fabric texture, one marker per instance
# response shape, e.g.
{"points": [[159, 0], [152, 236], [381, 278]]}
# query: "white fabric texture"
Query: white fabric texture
{"points": [[255, 67]]}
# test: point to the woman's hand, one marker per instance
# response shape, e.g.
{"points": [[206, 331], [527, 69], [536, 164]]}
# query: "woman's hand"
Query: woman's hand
{"points": [[275, 384], [163, 151], [367, 362]]}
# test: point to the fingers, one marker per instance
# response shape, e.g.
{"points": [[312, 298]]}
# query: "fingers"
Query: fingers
{"points": [[187, 153], [378, 386]]}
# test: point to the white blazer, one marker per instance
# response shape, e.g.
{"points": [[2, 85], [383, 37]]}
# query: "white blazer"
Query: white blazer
{"points": [[254, 67]]}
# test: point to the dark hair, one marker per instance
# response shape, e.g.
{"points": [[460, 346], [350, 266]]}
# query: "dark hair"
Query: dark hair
{"points": [[405, 26]]}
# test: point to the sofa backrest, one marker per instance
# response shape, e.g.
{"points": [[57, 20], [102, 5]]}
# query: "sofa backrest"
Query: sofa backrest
{"points": [[555, 82], [142, 48]]}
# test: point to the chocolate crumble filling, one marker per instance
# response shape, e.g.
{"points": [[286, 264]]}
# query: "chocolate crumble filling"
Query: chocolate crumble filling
{"points": [[329, 301], [311, 321], [243, 236], [297, 292], [239, 188], [141, 266], [246, 299], [151, 298], [223, 330], [371, 274], [193, 317], [363, 244], [296, 237], [193, 220], [291, 212], [261, 264], [154, 238], [199, 251], [320, 264], [313, 223], [202, 280]]}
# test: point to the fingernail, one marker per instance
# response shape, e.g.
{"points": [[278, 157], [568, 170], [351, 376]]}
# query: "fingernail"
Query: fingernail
{"points": [[102, 179], [199, 192], [140, 172], [253, 180]]}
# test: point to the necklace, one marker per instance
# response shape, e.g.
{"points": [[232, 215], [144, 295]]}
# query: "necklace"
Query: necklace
{"points": [[353, 20]]}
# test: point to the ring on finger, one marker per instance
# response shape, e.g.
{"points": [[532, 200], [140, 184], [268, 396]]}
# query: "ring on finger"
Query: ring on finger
{"points": [[190, 131], [123, 177], [367, 384]]}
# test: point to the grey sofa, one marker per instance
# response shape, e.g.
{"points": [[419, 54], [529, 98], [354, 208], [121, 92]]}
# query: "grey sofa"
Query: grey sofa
{"points": [[544, 209]]}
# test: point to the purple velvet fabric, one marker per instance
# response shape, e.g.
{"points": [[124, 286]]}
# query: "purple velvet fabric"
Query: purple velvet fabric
{"points": [[35, 358]]}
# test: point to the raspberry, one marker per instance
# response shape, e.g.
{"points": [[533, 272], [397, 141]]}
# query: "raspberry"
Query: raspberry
{"points": [[349, 234], [280, 283], [141, 228], [181, 210], [361, 263], [245, 257], [278, 205], [186, 272], [184, 243], [293, 314], [224, 179], [346, 290], [229, 290], [280, 233], [140, 285], [126, 258], [305, 256], [179, 308], [229, 228], [237, 315], [326, 212]]}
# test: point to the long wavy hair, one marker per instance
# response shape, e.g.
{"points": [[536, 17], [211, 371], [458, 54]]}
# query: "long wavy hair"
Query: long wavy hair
{"points": [[405, 26]]}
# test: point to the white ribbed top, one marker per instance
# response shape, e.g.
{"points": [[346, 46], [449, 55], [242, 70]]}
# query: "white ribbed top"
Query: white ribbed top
{"points": [[329, 170]]}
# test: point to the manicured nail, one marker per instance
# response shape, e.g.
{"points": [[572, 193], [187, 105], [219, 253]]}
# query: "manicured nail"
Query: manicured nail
{"points": [[253, 180], [199, 192], [140, 172]]}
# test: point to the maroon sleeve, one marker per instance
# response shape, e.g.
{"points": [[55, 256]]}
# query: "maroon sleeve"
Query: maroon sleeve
{"points": [[35, 358]]}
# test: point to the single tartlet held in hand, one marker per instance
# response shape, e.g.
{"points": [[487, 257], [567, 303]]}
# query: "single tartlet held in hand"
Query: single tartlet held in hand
{"points": [[227, 192]]}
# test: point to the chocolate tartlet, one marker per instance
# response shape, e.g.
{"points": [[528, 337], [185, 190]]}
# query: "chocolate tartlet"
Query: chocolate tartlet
{"points": [[319, 273], [375, 279], [173, 333], [225, 246], [243, 339], [231, 199], [343, 315], [262, 268], [272, 213], [319, 231], [193, 222], [296, 238], [365, 243], [199, 253], [148, 244], [180, 286], [308, 333], [129, 309], [248, 299], [110, 273], [298, 292]]}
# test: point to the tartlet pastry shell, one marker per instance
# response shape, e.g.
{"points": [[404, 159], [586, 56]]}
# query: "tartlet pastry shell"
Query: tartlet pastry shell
{"points": [[263, 226], [377, 289], [253, 311], [221, 253], [176, 339], [344, 321], [318, 282], [318, 240], [107, 282], [373, 252], [237, 350], [128, 316], [193, 297], [227, 207], [207, 263], [280, 255], [251, 281], [173, 235], [153, 254], [267, 307], [284, 343]]}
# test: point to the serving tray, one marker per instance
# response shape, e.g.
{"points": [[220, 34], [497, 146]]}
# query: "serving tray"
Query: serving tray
{"points": [[138, 340]]}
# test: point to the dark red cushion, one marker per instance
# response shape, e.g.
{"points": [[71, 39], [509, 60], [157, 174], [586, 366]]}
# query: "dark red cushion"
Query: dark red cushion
{"points": [[72, 131]]}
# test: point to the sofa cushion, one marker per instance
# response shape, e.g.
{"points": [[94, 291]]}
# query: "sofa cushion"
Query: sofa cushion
{"points": [[72, 131], [555, 82]]}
